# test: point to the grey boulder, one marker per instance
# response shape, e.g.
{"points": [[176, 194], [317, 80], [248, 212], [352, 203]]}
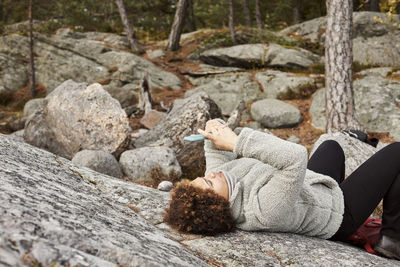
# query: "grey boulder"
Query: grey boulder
{"points": [[374, 43], [272, 113], [98, 160], [376, 100], [259, 55], [284, 85], [226, 90], [183, 120], [76, 117], [32, 105], [146, 164]]}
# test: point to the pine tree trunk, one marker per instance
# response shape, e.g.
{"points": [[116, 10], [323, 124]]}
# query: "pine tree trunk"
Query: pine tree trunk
{"points": [[32, 81], [258, 15], [231, 21], [340, 110], [130, 34], [246, 10], [297, 12], [177, 26], [190, 18], [374, 6]]}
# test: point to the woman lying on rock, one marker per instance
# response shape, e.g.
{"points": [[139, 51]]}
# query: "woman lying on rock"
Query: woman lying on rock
{"points": [[256, 181]]}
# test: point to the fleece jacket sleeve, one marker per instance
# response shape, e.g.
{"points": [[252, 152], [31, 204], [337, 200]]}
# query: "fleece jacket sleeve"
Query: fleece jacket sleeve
{"points": [[274, 200], [214, 156]]}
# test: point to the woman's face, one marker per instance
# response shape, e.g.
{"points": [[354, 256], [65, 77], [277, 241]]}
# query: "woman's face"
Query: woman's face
{"points": [[215, 181]]}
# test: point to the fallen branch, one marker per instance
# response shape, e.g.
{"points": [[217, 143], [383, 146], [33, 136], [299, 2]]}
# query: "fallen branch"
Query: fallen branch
{"points": [[145, 100], [236, 115]]}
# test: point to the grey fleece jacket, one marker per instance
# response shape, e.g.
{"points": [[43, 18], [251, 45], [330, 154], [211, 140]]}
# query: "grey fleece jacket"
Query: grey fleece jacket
{"points": [[275, 191]]}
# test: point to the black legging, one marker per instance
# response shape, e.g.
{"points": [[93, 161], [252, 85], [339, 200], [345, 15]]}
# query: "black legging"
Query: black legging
{"points": [[377, 178]]}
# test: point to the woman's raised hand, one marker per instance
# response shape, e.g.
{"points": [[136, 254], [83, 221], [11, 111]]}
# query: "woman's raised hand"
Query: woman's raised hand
{"points": [[221, 135]]}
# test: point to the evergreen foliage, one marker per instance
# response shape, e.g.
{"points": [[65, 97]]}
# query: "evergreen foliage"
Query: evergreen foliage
{"points": [[152, 19]]}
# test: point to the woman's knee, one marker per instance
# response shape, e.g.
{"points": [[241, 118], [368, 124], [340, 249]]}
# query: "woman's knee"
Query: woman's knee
{"points": [[393, 147], [331, 145]]}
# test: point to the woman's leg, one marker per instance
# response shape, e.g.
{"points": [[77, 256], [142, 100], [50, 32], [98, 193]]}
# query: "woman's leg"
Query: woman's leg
{"points": [[377, 178], [328, 159]]}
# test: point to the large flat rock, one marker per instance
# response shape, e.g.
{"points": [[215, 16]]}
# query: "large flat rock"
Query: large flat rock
{"points": [[53, 212]]}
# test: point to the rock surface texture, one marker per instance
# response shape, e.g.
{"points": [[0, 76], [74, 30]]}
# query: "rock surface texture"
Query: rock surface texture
{"points": [[376, 99], [374, 43], [99, 161], [143, 164], [85, 57], [259, 55], [55, 212], [76, 117], [181, 121], [273, 113]]}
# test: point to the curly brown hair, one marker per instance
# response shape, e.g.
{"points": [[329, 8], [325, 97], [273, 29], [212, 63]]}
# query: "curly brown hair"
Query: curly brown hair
{"points": [[198, 211]]}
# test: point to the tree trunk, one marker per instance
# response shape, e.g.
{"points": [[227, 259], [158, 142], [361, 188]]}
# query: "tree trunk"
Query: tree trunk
{"points": [[258, 15], [374, 6], [176, 30], [297, 12], [231, 21], [340, 110], [1, 10], [191, 23], [246, 10], [130, 34], [31, 56]]}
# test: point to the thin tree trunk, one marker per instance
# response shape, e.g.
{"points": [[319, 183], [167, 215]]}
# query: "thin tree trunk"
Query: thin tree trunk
{"points": [[374, 6], [231, 21], [258, 15], [246, 10], [177, 26], [1, 10], [31, 56], [297, 12], [130, 34], [191, 22], [340, 110]]}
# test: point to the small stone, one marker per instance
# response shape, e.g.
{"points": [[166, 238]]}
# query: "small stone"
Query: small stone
{"points": [[139, 133], [155, 54], [254, 125], [293, 139], [152, 118], [165, 186], [32, 105]]}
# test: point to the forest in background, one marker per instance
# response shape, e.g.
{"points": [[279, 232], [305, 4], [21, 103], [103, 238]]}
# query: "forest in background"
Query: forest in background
{"points": [[152, 19]]}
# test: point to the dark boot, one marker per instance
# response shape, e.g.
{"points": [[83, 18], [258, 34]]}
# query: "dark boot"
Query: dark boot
{"points": [[388, 247]]}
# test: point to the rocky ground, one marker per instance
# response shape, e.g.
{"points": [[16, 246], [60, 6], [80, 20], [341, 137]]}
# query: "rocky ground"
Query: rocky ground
{"points": [[58, 212]]}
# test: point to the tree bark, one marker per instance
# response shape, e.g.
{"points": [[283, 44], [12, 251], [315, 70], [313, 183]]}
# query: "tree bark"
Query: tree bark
{"points": [[258, 15], [177, 25], [246, 10], [191, 22], [297, 12], [32, 82], [340, 110], [374, 6], [231, 21], [130, 34]]}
